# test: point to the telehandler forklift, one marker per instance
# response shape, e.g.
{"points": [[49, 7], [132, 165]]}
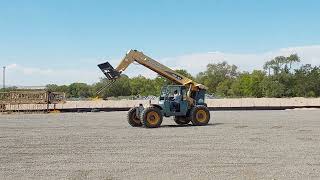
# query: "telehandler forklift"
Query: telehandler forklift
{"points": [[190, 106]]}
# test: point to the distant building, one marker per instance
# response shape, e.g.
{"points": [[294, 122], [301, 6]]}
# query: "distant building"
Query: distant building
{"points": [[31, 87]]}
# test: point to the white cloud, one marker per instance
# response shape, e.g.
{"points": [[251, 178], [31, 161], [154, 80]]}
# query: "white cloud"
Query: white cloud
{"points": [[22, 75], [11, 66]]}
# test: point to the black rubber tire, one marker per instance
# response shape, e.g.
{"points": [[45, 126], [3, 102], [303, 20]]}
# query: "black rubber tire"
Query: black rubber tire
{"points": [[181, 120], [144, 117], [195, 117], [133, 120]]}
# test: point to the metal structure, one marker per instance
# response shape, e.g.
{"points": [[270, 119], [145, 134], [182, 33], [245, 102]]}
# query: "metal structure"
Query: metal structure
{"points": [[190, 105], [31, 97], [34, 98], [2, 107]]}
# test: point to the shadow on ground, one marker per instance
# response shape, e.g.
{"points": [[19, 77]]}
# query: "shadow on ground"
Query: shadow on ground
{"points": [[188, 125]]}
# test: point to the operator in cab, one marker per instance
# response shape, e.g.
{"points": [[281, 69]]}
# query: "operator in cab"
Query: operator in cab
{"points": [[176, 100], [176, 96]]}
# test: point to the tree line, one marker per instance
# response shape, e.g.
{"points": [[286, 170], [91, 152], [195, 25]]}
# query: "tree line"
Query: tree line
{"points": [[279, 77]]}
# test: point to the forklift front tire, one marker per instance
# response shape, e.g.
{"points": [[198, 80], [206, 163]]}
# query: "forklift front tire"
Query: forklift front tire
{"points": [[151, 117], [200, 115], [132, 118]]}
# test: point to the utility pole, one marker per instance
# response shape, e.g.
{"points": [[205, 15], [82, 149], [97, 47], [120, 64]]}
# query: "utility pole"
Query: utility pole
{"points": [[4, 78]]}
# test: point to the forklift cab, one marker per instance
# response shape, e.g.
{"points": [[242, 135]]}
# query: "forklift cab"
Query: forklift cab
{"points": [[173, 100]]}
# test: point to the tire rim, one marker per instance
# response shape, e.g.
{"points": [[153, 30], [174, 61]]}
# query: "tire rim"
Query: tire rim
{"points": [[201, 116], [153, 118]]}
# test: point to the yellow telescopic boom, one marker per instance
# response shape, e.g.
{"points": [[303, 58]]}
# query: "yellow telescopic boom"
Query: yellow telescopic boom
{"points": [[139, 57]]}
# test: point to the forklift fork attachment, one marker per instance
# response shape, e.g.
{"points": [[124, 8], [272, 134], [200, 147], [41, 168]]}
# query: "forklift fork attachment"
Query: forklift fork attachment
{"points": [[111, 74], [109, 71], [109, 83]]}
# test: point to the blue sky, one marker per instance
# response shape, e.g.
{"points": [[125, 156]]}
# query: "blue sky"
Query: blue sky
{"points": [[40, 38]]}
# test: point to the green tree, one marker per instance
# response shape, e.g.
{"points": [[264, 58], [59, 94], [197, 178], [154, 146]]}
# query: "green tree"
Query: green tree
{"points": [[57, 88], [143, 86], [281, 64], [121, 87], [272, 88], [293, 58], [80, 90], [241, 87], [224, 88], [307, 80], [184, 73], [215, 74], [52, 87], [256, 86], [159, 82], [267, 66]]}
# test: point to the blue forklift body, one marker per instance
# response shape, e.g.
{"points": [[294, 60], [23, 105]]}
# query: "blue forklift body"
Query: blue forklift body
{"points": [[180, 107]]}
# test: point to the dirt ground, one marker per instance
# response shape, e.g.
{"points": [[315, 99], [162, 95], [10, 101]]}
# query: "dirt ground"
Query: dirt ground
{"points": [[235, 145]]}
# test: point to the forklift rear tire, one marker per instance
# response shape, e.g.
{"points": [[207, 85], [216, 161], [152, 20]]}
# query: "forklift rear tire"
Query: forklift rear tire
{"points": [[132, 118], [200, 115], [181, 120], [151, 117]]}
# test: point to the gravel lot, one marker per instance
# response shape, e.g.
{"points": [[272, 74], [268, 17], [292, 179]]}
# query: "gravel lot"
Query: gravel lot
{"points": [[236, 145]]}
